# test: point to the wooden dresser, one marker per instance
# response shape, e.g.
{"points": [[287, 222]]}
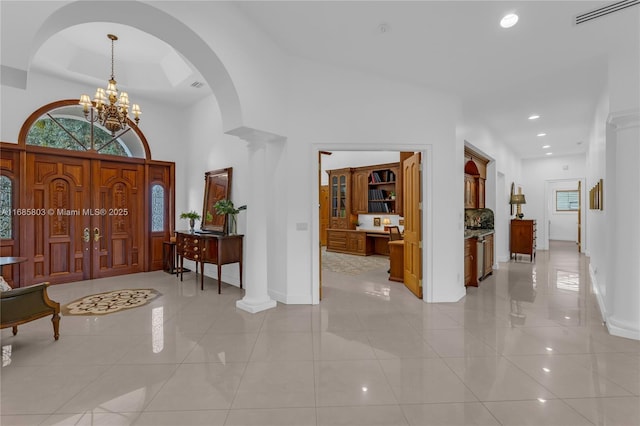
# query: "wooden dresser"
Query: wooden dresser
{"points": [[209, 248], [523, 238]]}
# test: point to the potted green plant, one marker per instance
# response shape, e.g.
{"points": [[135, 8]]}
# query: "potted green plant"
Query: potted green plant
{"points": [[225, 206], [192, 216]]}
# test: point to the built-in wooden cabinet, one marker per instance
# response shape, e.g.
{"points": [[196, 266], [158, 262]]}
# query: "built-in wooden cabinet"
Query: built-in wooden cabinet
{"points": [[470, 192], [488, 255], [475, 175], [360, 186], [340, 198], [523, 237], [470, 265], [349, 241], [362, 190]]}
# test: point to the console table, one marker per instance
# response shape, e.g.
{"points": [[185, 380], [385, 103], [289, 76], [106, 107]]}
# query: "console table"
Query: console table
{"points": [[209, 248]]}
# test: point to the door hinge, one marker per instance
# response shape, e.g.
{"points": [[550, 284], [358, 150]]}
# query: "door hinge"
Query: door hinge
{"points": [[420, 283], [420, 244], [420, 166], [420, 205]]}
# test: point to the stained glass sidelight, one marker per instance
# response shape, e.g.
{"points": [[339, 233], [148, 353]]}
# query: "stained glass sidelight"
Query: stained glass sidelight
{"points": [[157, 208], [6, 204]]}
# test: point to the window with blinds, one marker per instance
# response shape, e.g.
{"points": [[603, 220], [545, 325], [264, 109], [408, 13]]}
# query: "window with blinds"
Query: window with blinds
{"points": [[567, 201]]}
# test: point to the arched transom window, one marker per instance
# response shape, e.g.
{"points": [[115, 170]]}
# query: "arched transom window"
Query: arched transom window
{"points": [[65, 127]]}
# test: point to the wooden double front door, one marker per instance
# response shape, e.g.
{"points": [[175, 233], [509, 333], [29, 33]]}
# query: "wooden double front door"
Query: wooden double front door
{"points": [[84, 218]]}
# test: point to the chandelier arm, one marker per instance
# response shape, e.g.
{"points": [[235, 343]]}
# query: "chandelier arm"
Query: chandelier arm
{"points": [[67, 132]]}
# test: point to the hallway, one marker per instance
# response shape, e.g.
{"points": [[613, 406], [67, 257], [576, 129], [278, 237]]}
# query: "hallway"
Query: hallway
{"points": [[525, 347]]}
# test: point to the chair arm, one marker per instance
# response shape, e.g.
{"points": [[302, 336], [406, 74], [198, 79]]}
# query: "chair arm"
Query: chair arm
{"points": [[23, 290], [26, 303]]}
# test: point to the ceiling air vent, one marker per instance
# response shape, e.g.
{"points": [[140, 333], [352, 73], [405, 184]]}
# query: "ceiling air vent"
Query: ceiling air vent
{"points": [[605, 10], [198, 84]]}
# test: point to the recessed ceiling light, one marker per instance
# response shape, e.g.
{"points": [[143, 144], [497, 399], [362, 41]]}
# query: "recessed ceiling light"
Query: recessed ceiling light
{"points": [[383, 28], [549, 153], [542, 134], [546, 146], [509, 20], [534, 117]]}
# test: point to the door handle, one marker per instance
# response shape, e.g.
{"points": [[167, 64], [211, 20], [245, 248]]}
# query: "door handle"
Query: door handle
{"points": [[96, 235], [86, 235]]}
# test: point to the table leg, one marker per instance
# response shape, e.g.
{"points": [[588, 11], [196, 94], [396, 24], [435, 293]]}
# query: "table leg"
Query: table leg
{"points": [[201, 274], [219, 277], [240, 263]]}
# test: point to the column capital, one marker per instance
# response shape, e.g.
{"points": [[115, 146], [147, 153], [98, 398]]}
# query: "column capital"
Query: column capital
{"points": [[626, 119], [255, 136]]}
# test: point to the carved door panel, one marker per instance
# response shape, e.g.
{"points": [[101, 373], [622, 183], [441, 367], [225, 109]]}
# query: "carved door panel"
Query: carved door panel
{"points": [[412, 225], [57, 196], [117, 225], [83, 219]]}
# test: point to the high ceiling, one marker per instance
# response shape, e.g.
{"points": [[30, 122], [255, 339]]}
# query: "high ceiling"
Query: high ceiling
{"points": [[545, 64]]}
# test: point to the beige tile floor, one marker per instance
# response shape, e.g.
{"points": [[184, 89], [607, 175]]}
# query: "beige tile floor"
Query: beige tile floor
{"points": [[525, 348]]}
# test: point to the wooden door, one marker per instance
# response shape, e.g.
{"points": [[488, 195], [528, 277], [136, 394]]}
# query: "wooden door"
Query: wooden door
{"points": [[88, 221], [324, 214], [160, 178], [412, 225], [117, 227], [53, 237]]}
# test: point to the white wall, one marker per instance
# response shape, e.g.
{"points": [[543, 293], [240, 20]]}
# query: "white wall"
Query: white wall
{"points": [[537, 176], [563, 225], [205, 147], [615, 235], [163, 135], [336, 109]]}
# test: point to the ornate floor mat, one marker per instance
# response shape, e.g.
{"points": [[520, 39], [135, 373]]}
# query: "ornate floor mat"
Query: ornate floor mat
{"points": [[113, 301]]}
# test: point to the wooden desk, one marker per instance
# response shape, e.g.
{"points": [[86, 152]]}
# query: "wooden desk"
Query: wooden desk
{"points": [[10, 261], [396, 257], [209, 248]]}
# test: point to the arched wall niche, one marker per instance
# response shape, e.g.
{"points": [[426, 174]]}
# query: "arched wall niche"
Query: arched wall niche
{"points": [[163, 26]]}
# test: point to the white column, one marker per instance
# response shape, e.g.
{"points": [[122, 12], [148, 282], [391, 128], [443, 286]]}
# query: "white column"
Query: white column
{"points": [[256, 298], [624, 281]]}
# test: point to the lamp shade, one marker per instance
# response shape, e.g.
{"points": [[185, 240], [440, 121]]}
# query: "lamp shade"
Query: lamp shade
{"points": [[386, 221], [517, 199]]}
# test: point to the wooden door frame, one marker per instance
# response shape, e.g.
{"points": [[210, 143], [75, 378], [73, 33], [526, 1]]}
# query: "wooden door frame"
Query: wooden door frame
{"points": [[426, 151], [20, 190]]}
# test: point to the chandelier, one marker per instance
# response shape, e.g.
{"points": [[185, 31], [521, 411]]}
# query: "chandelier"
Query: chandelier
{"points": [[108, 108]]}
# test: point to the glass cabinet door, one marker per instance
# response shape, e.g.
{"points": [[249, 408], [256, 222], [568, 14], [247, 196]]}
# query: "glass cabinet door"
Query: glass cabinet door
{"points": [[343, 196], [334, 197]]}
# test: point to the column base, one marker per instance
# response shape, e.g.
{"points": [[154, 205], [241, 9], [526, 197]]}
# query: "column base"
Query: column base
{"points": [[255, 306]]}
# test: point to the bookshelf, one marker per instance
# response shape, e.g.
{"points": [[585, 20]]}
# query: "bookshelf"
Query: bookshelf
{"points": [[382, 191]]}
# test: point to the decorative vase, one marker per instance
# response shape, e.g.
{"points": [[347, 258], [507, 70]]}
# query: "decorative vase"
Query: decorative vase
{"points": [[192, 224], [232, 224]]}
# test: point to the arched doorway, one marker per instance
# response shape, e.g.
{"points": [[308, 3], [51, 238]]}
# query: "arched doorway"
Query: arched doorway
{"points": [[88, 204]]}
